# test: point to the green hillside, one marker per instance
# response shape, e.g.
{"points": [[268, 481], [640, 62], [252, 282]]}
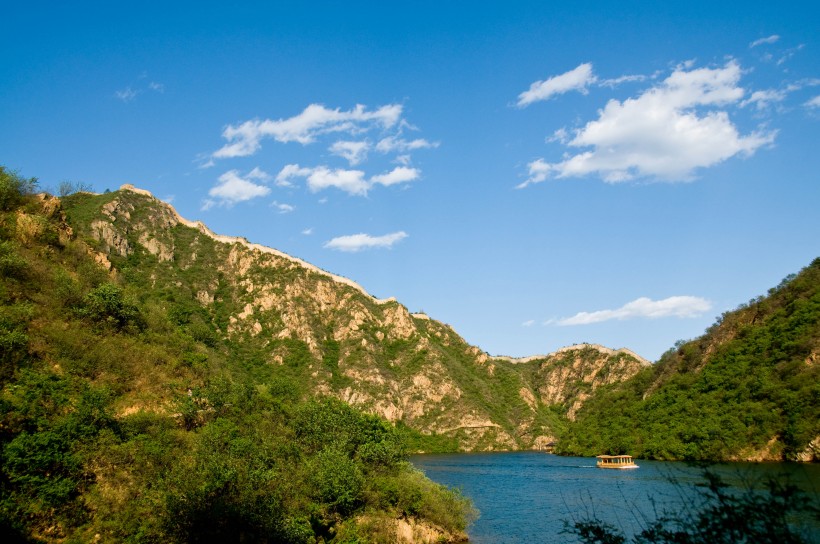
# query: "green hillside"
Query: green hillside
{"points": [[749, 388], [128, 415], [162, 383], [272, 313]]}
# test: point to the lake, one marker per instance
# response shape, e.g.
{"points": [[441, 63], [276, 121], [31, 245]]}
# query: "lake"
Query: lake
{"points": [[527, 496]]}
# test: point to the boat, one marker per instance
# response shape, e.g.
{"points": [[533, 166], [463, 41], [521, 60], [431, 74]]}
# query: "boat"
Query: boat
{"points": [[615, 461]]}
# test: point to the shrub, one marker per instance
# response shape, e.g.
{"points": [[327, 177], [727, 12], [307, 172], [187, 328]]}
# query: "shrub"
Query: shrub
{"points": [[14, 189], [337, 480], [108, 305]]}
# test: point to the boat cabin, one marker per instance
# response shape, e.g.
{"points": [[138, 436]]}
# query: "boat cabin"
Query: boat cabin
{"points": [[615, 461]]}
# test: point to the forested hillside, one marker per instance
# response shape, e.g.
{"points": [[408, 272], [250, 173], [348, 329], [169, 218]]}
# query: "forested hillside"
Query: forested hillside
{"points": [[125, 416], [749, 388], [271, 312]]}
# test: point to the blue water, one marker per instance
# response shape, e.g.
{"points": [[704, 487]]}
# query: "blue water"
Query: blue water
{"points": [[528, 496]]}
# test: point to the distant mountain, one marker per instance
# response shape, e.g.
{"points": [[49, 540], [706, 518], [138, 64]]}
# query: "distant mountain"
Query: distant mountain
{"points": [[749, 389], [330, 337]]}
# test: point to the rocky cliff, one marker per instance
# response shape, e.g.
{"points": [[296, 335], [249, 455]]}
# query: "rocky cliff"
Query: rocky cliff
{"points": [[330, 337]]}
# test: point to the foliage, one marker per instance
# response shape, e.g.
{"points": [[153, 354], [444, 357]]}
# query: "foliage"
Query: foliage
{"points": [[14, 189], [128, 415], [107, 304], [747, 385], [717, 516]]}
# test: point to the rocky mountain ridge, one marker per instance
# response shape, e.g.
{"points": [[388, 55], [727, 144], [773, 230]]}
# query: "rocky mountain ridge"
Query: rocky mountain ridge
{"points": [[334, 338]]}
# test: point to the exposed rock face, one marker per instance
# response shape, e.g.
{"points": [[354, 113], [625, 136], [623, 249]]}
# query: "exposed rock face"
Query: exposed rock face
{"points": [[369, 352], [570, 375]]}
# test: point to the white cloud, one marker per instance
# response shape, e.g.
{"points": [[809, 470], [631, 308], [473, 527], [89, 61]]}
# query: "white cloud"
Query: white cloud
{"points": [[308, 231], [664, 133], [680, 306], [258, 173], [349, 181], [539, 170], [768, 40], [813, 103], [130, 93], [400, 174], [577, 79], [763, 99], [244, 139], [400, 145], [528, 323], [789, 53], [357, 242], [353, 182], [233, 188], [614, 82], [354, 152], [290, 171], [126, 95], [283, 208]]}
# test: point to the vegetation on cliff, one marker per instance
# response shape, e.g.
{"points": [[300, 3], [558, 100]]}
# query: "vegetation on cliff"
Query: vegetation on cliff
{"points": [[747, 389], [128, 415], [328, 335]]}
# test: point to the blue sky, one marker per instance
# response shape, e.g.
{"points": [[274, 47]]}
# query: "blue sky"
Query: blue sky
{"points": [[534, 174]]}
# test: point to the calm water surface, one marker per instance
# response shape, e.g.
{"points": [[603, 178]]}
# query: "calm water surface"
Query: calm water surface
{"points": [[526, 496]]}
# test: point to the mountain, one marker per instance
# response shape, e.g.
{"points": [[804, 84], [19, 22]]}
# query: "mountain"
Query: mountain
{"points": [[748, 389], [159, 382], [131, 412], [330, 337]]}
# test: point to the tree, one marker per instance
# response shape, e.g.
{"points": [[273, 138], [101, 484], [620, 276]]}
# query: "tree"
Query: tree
{"points": [[13, 189]]}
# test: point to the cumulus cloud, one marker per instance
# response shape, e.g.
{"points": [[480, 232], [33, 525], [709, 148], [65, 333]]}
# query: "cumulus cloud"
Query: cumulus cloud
{"points": [[765, 41], [233, 188], [353, 182], [349, 181], [679, 306], [665, 133], [357, 242], [245, 139], [400, 174], [290, 171], [258, 173], [577, 79], [354, 152]]}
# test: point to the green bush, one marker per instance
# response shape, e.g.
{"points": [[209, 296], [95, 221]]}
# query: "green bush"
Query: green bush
{"points": [[336, 480], [12, 264], [14, 189], [107, 304]]}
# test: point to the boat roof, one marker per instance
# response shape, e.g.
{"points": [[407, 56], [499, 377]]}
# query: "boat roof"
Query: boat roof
{"points": [[613, 456]]}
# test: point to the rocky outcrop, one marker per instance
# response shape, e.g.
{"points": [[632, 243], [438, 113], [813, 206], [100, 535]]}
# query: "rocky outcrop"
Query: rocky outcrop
{"points": [[569, 376], [370, 352]]}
